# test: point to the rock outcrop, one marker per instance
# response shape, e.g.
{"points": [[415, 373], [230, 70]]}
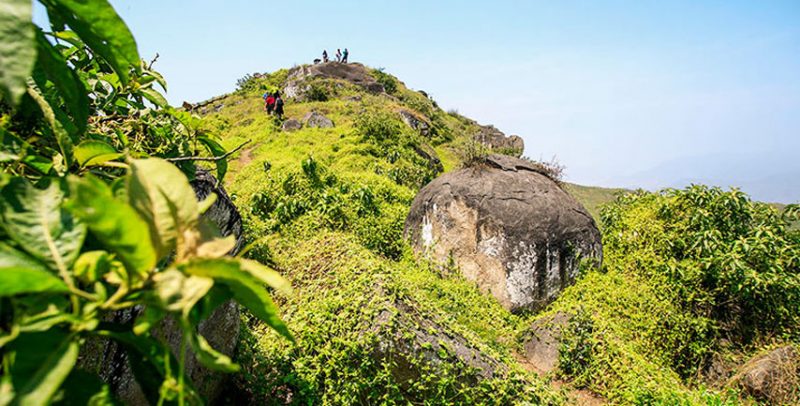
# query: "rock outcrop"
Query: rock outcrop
{"points": [[544, 342], [291, 125], [220, 329], [498, 141], [415, 122], [773, 377], [316, 119], [297, 86], [508, 227]]}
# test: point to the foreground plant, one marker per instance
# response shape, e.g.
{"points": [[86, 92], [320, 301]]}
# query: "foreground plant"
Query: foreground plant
{"points": [[90, 225], [77, 249]]}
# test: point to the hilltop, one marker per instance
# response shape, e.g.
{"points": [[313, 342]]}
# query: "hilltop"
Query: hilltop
{"points": [[324, 195]]}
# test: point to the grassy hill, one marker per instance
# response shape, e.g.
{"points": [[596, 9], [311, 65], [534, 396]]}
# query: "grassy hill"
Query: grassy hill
{"points": [[374, 324]]}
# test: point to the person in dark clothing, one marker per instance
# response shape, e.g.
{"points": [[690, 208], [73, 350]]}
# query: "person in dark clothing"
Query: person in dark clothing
{"points": [[279, 106], [345, 55], [270, 103], [325, 56], [338, 55]]}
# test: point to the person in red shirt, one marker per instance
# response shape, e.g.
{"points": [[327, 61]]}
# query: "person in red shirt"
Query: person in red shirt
{"points": [[270, 100]]}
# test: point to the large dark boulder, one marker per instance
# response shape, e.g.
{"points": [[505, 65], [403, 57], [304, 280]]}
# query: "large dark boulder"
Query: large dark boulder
{"points": [[221, 328], [508, 227]]}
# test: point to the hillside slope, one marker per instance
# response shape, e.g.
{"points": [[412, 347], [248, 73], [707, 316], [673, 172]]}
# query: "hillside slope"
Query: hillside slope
{"points": [[325, 204]]}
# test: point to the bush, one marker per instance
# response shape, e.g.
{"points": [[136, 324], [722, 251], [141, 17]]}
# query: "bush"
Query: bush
{"points": [[378, 126], [388, 81]]}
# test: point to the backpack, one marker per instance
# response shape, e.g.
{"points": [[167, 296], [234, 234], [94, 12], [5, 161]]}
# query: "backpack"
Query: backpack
{"points": [[279, 102]]}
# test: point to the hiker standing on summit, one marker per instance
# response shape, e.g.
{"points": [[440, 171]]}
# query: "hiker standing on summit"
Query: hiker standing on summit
{"points": [[346, 54], [338, 55], [325, 56]]}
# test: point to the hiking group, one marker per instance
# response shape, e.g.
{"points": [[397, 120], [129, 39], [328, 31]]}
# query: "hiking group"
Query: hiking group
{"points": [[340, 57], [273, 103]]}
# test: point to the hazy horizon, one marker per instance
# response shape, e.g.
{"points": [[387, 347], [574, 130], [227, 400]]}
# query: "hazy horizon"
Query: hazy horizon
{"points": [[643, 94]]}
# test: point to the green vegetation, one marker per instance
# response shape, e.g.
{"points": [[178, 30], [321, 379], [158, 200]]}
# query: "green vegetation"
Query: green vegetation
{"points": [[713, 266], [91, 225], [95, 219]]}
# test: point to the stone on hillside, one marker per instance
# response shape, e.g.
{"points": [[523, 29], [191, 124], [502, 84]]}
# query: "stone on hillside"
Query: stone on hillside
{"points": [[773, 377], [317, 120], [291, 125], [429, 154], [497, 140], [220, 329], [297, 86], [415, 122], [542, 348], [508, 227]]}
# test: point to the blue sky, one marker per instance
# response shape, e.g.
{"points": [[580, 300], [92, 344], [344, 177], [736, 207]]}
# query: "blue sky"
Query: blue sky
{"points": [[624, 93]]}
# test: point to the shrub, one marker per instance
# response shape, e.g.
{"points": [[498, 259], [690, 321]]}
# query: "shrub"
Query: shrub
{"points": [[378, 126], [388, 81]]}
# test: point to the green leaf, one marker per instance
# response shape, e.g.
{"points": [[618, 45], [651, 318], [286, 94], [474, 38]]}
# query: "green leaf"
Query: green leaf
{"points": [[40, 362], [208, 356], [161, 194], [60, 133], [154, 96], [93, 152], [176, 292], [216, 150], [65, 79], [218, 295], [148, 358], [35, 220], [147, 319], [115, 224], [91, 266], [17, 48], [21, 274], [246, 289], [101, 28], [83, 388], [266, 275]]}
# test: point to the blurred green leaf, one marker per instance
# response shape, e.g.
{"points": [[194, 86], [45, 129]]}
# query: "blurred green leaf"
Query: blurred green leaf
{"points": [[93, 152], [246, 289], [17, 48], [211, 358], [35, 220], [154, 96], [149, 360], [216, 149], [83, 388], [57, 126], [176, 292], [161, 194], [39, 363], [115, 224], [65, 79], [91, 266], [20, 274], [102, 29]]}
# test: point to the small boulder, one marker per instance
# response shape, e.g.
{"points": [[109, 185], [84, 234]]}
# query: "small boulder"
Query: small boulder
{"points": [[415, 122], [508, 227], [315, 119], [773, 377], [542, 346], [291, 125], [498, 142]]}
